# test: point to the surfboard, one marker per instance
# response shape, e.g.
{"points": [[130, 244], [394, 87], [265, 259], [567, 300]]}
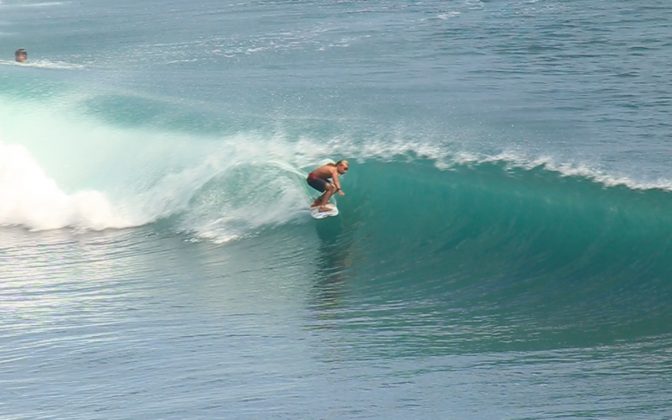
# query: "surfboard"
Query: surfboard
{"points": [[317, 214]]}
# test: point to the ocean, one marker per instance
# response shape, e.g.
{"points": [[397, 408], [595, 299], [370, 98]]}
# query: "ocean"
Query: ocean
{"points": [[502, 251]]}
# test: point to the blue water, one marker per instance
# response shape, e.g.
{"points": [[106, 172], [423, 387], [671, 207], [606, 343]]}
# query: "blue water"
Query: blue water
{"points": [[502, 250]]}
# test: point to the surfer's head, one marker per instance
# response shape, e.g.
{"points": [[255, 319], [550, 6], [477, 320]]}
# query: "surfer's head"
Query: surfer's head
{"points": [[21, 55], [342, 166]]}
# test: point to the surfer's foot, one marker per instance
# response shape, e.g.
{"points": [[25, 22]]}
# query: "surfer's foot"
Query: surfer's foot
{"points": [[324, 208]]}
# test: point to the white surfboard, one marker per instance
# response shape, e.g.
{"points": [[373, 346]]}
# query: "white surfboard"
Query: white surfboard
{"points": [[317, 214]]}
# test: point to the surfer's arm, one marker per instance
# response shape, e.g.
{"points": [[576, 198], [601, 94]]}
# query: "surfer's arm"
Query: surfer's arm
{"points": [[337, 183]]}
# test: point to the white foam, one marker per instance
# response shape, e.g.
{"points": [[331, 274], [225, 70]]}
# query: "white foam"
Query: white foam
{"points": [[448, 15], [28, 197], [44, 64]]}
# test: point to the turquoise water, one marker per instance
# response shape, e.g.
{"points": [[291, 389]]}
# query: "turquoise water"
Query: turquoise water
{"points": [[502, 250]]}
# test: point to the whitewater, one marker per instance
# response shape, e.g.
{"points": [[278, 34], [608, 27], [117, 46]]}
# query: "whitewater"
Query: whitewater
{"points": [[502, 250]]}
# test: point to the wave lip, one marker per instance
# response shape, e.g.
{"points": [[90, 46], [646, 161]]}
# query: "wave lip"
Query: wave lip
{"points": [[515, 161]]}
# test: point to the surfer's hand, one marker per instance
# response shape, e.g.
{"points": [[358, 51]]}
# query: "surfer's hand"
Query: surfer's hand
{"points": [[340, 192]]}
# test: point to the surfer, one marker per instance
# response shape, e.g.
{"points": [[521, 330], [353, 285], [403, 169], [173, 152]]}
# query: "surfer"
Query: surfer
{"points": [[325, 180], [21, 55]]}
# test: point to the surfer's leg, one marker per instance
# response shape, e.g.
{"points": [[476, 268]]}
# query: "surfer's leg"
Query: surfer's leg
{"points": [[324, 198], [320, 185]]}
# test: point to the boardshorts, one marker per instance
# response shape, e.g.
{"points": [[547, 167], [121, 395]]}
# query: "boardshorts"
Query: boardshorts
{"points": [[317, 183]]}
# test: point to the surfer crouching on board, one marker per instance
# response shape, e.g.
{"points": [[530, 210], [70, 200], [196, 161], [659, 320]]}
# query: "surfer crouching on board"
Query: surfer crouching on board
{"points": [[325, 180]]}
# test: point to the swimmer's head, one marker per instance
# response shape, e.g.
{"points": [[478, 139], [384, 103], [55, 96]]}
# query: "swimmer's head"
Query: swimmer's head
{"points": [[21, 55]]}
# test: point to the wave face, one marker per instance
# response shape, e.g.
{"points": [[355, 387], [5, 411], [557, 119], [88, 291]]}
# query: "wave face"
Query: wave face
{"points": [[514, 239]]}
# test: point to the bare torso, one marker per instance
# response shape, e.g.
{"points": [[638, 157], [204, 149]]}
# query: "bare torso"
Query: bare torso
{"points": [[325, 171]]}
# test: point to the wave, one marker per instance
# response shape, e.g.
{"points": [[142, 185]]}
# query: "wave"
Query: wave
{"points": [[95, 174], [419, 220], [81, 149], [221, 188]]}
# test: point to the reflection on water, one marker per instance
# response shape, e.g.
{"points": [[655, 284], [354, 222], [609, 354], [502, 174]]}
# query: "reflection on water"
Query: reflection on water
{"points": [[334, 262]]}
